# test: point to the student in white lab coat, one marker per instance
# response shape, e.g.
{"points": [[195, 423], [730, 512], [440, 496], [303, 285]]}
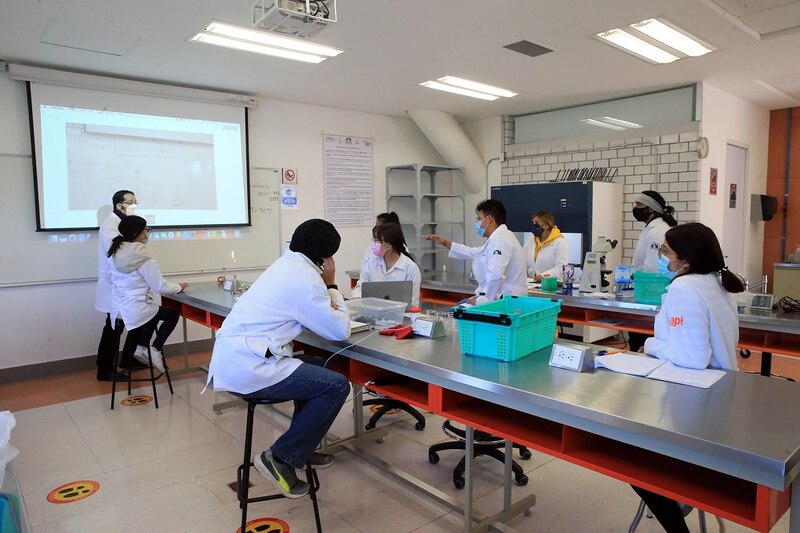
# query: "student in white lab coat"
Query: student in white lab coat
{"points": [[697, 325], [383, 218], [650, 208], [390, 261], [253, 355], [135, 278], [499, 265], [547, 251], [124, 202]]}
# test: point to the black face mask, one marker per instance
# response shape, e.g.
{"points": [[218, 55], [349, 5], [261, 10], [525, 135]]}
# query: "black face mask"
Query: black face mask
{"points": [[537, 230], [640, 213]]}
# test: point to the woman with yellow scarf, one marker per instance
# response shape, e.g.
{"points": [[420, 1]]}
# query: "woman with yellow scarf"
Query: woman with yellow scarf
{"points": [[547, 251]]}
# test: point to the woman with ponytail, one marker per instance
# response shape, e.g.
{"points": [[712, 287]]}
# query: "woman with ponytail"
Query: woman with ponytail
{"points": [[390, 261], [135, 277], [697, 325]]}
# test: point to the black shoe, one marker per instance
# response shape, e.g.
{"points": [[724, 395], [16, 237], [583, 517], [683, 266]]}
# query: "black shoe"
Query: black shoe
{"points": [[109, 376], [320, 461], [134, 365], [281, 475]]}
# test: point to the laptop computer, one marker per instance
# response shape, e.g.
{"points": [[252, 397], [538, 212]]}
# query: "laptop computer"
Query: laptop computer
{"points": [[397, 291]]}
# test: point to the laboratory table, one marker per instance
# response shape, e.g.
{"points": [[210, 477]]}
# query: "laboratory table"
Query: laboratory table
{"points": [[732, 450], [767, 332]]}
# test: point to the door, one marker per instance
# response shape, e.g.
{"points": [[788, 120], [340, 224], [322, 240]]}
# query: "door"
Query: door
{"points": [[733, 218]]}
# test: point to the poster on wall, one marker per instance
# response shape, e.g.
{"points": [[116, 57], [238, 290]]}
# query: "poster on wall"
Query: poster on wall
{"points": [[732, 202], [289, 197], [347, 172], [712, 184]]}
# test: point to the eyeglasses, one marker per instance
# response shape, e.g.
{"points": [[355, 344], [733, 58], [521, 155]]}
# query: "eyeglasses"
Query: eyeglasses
{"points": [[662, 252]]}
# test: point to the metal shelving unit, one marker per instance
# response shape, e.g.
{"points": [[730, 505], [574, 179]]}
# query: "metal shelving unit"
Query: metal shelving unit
{"points": [[428, 199]]}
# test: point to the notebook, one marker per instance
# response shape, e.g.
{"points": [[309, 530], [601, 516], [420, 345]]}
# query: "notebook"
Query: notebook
{"points": [[397, 291], [358, 327], [650, 367]]}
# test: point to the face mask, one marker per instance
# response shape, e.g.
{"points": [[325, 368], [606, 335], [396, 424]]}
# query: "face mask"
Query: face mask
{"points": [[377, 249], [640, 213], [147, 238], [537, 230], [479, 229], [663, 268]]}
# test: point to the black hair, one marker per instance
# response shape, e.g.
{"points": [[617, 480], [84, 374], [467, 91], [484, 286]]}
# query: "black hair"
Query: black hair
{"points": [[119, 197], [494, 208], [315, 239], [130, 227], [668, 213], [392, 217], [698, 245], [392, 233]]}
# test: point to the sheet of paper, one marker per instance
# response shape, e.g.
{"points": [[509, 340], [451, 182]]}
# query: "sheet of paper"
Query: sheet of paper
{"points": [[628, 363], [687, 376]]}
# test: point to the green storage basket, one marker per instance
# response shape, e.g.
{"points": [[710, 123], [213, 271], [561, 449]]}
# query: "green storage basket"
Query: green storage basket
{"points": [[508, 329], [648, 287]]}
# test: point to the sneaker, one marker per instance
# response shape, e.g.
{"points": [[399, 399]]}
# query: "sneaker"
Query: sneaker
{"points": [[141, 355], [158, 359], [281, 475], [321, 461], [110, 375]]}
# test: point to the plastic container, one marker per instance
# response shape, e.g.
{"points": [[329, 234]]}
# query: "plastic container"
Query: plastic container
{"points": [[508, 329], [648, 287], [414, 312], [549, 283], [481, 299], [377, 311]]}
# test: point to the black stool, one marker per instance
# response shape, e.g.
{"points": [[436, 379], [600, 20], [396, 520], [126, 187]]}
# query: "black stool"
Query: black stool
{"points": [[243, 472], [387, 404], [484, 444], [119, 326]]}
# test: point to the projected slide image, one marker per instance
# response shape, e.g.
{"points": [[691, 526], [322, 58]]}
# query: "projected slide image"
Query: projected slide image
{"points": [[167, 169]]}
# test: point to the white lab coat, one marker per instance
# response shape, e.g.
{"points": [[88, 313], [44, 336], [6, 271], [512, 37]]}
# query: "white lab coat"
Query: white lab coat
{"points": [[108, 230], [697, 325], [289, 296], [498, 265], [403, 270], [551, 258], [645, 255], [135, 278]]}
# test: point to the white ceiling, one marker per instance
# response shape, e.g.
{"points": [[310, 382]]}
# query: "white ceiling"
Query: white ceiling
{"points": [[393, 45]]}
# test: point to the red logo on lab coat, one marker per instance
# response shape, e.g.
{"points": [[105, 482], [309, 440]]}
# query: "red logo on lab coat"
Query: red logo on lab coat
{"points": [[675, 321]]}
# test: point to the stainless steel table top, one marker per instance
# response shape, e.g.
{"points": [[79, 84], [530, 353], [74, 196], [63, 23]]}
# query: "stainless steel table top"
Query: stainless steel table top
{"points": [[745, 425], [776, 321]]}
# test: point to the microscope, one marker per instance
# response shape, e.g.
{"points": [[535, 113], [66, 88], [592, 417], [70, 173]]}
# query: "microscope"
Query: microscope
{"points": [[594, 266]]}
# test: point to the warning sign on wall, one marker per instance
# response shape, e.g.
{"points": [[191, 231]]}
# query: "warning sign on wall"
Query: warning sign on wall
{"points": [[289, 176]]}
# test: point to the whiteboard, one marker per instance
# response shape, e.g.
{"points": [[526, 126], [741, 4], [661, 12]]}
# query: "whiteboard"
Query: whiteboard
{"points": [[29, 257]]}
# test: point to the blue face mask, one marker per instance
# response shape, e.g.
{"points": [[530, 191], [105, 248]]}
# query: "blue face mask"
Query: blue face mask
{"points": [[663, 268], [479, 229]]}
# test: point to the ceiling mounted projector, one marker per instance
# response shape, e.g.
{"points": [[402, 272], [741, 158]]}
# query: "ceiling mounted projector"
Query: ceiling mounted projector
{"points": [[299, 18]]}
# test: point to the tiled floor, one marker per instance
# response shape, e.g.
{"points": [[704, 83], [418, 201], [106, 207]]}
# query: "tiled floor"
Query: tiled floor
{"points": [[168, 470]]}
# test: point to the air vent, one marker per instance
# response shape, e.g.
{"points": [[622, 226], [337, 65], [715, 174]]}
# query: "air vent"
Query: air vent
{"points": [[528, 48]]}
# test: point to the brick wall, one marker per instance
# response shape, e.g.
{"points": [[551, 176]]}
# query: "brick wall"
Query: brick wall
{"points": [[664, 163]]}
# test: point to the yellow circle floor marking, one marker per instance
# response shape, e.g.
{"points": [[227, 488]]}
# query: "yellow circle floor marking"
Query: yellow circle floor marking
{"points": [[132, 401], [265, 525], [72, 492], [374, 409]]}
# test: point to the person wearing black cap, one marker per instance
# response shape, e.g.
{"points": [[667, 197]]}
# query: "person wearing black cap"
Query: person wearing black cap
{"points": [[253, 356], [658, 217]]}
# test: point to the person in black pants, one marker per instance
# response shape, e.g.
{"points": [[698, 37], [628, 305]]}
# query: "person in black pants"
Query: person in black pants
{"points": [[124, 203]]}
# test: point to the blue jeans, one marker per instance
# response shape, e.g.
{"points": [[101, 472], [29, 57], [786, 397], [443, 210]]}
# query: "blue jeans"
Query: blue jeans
{"points": [[319, 394]]}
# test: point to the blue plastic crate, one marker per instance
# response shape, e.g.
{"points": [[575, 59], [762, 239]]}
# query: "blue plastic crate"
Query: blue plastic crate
{"points": [[508, 329]]}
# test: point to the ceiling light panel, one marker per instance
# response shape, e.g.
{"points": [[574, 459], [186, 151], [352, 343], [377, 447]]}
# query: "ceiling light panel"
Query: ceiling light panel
{"points": [[262, 42], [637, 46], [458, 90], [620, 122], [672, 37], [475, 86]]}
